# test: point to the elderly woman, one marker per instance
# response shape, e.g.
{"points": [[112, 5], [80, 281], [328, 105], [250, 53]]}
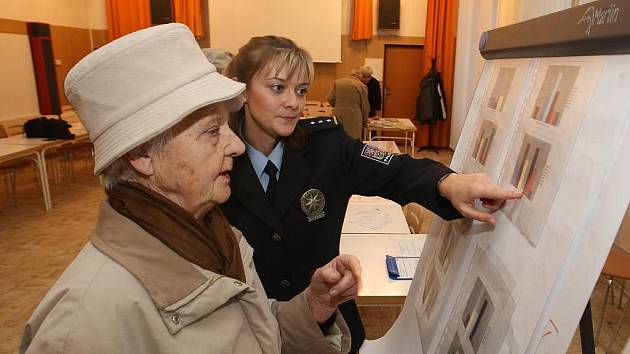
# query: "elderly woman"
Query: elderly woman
{"points": [[163, 271]]}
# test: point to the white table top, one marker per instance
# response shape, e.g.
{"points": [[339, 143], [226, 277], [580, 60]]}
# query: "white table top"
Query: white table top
{"points": [[399, 124], [371, 250], [22, 140], [8, 152], [374, 215]]}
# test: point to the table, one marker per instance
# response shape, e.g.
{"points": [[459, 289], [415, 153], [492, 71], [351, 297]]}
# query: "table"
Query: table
{"points": [[378, 289], [385, 145], [10, 151], [374, 215], [401, 125], [17, 146]]}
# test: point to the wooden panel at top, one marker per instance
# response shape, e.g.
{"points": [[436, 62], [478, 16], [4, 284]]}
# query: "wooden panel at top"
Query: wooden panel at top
{"points": [[99, 38], [325, 75], [12, 26]]}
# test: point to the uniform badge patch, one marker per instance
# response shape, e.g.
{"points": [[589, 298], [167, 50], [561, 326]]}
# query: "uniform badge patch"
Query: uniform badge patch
{"points": [[312, 203], [376, 154]]}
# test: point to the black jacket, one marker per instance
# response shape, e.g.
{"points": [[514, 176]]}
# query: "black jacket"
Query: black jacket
{"points": [[430, 103], [374, 96], [287, 247]]}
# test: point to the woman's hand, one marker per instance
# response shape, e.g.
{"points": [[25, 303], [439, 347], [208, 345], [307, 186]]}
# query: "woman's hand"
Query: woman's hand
{"points": [[462, 190], [333, 284]]}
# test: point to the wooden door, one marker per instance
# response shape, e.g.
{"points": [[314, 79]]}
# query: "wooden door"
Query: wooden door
{"points": [[401, 77]]}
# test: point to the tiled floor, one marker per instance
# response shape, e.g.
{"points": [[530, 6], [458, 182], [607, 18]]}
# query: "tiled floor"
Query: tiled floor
{"points": [[36, 246]]}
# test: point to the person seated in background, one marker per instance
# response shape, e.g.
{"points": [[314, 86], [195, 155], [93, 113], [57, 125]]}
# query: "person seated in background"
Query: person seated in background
{"points": [[163, 271], [349, 96], [374, 90]]}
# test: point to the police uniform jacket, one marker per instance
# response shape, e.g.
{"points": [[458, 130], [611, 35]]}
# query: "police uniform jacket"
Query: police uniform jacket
{"points": [[290, 243]]}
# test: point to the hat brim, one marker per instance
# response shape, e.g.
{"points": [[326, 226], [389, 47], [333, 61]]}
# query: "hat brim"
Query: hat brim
{"points": [[161, 115]]}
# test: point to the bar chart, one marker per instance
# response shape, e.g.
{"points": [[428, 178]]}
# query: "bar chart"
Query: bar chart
{"points": [[531, 162], [501, 88], [484, 141], [554, 93]]}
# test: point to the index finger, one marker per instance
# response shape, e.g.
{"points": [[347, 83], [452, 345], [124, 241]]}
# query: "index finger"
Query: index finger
{"points": [[499, 193]]}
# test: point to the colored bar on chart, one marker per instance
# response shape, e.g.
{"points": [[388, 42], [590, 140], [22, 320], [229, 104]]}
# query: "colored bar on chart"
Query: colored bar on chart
{"points": [[519, 168], [524, 173]]}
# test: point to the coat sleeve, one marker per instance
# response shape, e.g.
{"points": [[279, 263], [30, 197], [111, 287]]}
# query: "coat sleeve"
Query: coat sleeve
{"points": [[300, 332], [331, 96], [365, 104], [371, 172]]}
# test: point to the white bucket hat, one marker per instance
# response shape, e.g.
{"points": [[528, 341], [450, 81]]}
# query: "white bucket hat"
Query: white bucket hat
{"points": [[140, 85]]}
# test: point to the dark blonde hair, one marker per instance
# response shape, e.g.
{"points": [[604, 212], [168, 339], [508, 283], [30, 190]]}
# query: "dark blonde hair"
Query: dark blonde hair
{"points": [[273, 53]]}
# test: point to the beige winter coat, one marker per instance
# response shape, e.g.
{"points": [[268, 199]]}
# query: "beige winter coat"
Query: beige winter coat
{"points": [[128, 293], [349, 96]]}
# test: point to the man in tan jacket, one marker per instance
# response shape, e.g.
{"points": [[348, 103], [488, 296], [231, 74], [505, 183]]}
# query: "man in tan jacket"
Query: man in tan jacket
{"points": [[349, 96]]}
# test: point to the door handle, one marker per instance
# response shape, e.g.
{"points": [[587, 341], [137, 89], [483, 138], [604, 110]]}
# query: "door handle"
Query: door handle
{"points": [[386, 92]]}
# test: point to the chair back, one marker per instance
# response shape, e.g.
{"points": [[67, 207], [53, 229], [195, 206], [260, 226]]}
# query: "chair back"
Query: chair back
{"points": [[414, 213], [15, 126]]}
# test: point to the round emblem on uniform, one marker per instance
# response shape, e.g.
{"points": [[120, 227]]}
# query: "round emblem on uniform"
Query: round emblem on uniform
{"points": [[312, 203]]}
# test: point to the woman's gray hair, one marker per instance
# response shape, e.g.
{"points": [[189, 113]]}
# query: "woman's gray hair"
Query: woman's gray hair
{"points": [[366, 70], [121, 170], [217, 57]]}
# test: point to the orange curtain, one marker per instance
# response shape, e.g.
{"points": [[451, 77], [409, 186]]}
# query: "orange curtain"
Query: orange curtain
{"points": [[126, 16], [439, 43], [362, 20], [189, 12]]}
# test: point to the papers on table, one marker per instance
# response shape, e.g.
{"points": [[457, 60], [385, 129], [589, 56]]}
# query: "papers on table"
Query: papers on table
{"points": [[401, 268]]}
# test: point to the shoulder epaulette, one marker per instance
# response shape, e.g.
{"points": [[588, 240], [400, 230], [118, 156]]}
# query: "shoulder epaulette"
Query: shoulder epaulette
{"points": [[315, 124]]}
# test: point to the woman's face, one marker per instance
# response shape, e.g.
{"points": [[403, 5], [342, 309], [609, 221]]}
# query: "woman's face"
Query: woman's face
{"points": [[193, 168], [273, 105]]}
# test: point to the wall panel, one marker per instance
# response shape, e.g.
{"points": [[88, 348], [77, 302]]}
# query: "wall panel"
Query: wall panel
{"points": [[99, 38], [325, 75], [69, 46], [12, 26]]}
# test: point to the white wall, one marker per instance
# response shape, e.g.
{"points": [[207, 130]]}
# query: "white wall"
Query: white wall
{"points": [[70, 13], [474, 19], [18, 93]]}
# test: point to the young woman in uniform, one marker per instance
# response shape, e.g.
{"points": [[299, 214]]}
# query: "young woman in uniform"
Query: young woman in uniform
{"points": [[291, 188]]}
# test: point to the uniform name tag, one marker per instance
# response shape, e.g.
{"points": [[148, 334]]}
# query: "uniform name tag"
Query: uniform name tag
{"points": [[375, 154]]}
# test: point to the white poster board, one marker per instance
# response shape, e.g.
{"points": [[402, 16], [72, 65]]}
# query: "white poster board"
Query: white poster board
{"points": [[558, 129], [314, 25]]}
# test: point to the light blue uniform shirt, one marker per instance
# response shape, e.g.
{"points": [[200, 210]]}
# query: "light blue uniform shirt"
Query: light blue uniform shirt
{"points": [[259, 161]]}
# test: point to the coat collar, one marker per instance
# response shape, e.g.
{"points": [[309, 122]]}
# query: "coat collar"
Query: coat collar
{"points": [[167, 276], [182, 293]]}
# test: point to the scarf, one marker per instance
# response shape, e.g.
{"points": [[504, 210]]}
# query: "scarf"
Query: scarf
{"points": [[209, 243]]}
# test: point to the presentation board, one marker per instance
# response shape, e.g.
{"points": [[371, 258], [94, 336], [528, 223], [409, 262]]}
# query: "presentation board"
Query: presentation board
{"points": [[19, 98], [558, 130]]}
